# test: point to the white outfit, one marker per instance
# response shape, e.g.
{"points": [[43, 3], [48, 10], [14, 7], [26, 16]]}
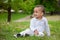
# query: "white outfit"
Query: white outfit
{"points": [[40, 25]]}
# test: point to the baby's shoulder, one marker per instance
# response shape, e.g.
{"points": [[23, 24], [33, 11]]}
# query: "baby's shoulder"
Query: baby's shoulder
{"points": [[44, 18]]}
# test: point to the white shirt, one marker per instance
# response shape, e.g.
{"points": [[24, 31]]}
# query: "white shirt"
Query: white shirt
{"points": [[40, 25]]}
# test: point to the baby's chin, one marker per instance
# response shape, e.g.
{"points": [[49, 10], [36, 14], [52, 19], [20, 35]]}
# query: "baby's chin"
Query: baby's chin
{"points": [[37, 17]]}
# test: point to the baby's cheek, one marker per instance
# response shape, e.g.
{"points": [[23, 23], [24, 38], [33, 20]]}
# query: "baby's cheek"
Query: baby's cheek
{"points": [[35, 14], [38, 15]]}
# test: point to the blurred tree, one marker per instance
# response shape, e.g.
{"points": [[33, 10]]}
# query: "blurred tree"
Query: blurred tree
{"points": [[9, 10], [3, 4], [6, 4], [25, 5]]}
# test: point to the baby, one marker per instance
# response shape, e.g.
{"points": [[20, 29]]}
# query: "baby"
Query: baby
{"points": [[38, 24]]}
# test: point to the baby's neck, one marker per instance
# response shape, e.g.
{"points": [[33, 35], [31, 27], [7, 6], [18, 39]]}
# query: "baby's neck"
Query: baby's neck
{"points": [[40, 18]]}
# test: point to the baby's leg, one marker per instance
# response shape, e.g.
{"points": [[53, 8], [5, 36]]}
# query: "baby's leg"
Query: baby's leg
{"points": [[27, 31]]}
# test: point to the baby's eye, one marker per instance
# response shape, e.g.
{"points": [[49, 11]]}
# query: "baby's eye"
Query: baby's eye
{"points": [[35, 12]]}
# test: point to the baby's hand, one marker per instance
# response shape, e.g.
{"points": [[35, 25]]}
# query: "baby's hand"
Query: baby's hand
{"points": [[36, 32]]}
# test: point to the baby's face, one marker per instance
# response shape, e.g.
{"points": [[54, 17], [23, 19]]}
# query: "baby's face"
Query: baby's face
{"points": [[38, 12]]}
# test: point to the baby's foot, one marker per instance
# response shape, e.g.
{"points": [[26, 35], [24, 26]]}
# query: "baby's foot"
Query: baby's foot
{"points": [[17, 35]]}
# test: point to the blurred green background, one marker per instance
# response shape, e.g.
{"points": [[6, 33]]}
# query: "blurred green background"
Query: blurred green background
{"points": [[15, 17]]}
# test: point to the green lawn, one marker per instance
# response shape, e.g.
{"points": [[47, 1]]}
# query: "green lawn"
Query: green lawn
{"points": [[7, 31], [14, 16]]}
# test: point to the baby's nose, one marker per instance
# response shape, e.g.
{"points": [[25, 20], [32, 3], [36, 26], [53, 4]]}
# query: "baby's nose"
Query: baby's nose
{"points": [[35, 14]]}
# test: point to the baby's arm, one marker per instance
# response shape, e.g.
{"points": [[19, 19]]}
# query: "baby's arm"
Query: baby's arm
{"points": [[33, 27], [47, 29]]}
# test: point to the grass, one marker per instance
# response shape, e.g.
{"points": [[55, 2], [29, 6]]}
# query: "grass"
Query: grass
{"points": [[7, 31], [14, 16]]}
